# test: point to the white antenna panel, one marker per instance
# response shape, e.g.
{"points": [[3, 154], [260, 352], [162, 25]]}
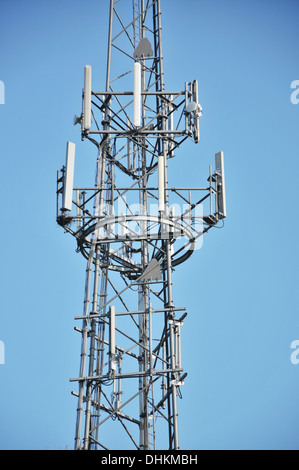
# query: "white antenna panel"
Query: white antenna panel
{"points": [[221, 199], [112, 338], [195, 91], [137, 94], [161, 183], [68, 177], [87, 98]]}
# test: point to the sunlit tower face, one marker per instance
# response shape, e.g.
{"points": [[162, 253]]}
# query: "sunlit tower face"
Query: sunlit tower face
{"points": [[133, 228]]}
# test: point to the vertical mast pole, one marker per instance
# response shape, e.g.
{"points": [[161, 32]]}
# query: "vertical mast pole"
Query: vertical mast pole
{"points": [[173, 420], [143, 289], [109, 45]]}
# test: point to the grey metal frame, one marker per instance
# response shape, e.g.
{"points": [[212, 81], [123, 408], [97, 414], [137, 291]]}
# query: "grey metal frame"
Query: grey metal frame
{"points": [[130, 368]]}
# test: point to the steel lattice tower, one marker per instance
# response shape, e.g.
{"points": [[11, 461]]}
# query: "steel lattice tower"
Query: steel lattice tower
{"points": [[133, 228]]}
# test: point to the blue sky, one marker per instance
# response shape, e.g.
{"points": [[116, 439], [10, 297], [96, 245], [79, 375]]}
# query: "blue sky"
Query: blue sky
{"points": [[240, 289]]}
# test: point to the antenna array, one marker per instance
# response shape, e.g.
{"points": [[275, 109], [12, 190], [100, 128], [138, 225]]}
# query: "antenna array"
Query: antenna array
{"points": [[133, 228]]}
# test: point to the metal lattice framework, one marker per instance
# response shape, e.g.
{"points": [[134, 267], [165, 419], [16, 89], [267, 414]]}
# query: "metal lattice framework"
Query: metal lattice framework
{"points": [[133, 228]]}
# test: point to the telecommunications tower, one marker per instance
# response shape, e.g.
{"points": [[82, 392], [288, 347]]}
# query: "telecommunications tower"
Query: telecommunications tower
{"points": [[133, 228]]}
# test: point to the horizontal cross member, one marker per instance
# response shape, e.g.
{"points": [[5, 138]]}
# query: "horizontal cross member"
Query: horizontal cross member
{"points": [[129, 375]]}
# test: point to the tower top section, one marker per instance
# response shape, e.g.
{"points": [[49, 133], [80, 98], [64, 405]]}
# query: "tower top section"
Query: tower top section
{"points": [[133, 228]]}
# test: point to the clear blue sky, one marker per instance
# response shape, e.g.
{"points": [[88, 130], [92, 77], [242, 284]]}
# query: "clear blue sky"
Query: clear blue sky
{"points": [[240, 289]]}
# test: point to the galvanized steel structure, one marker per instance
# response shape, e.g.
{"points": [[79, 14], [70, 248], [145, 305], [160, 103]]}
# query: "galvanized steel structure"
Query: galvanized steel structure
{"points": [[133, 228]]}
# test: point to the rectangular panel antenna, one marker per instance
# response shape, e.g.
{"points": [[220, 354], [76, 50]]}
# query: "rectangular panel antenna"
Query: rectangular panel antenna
{"points": [[137, 94], [67, 196], [196, 133], [220, 185], [161, 183], [87, 98], [112, 339]]}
